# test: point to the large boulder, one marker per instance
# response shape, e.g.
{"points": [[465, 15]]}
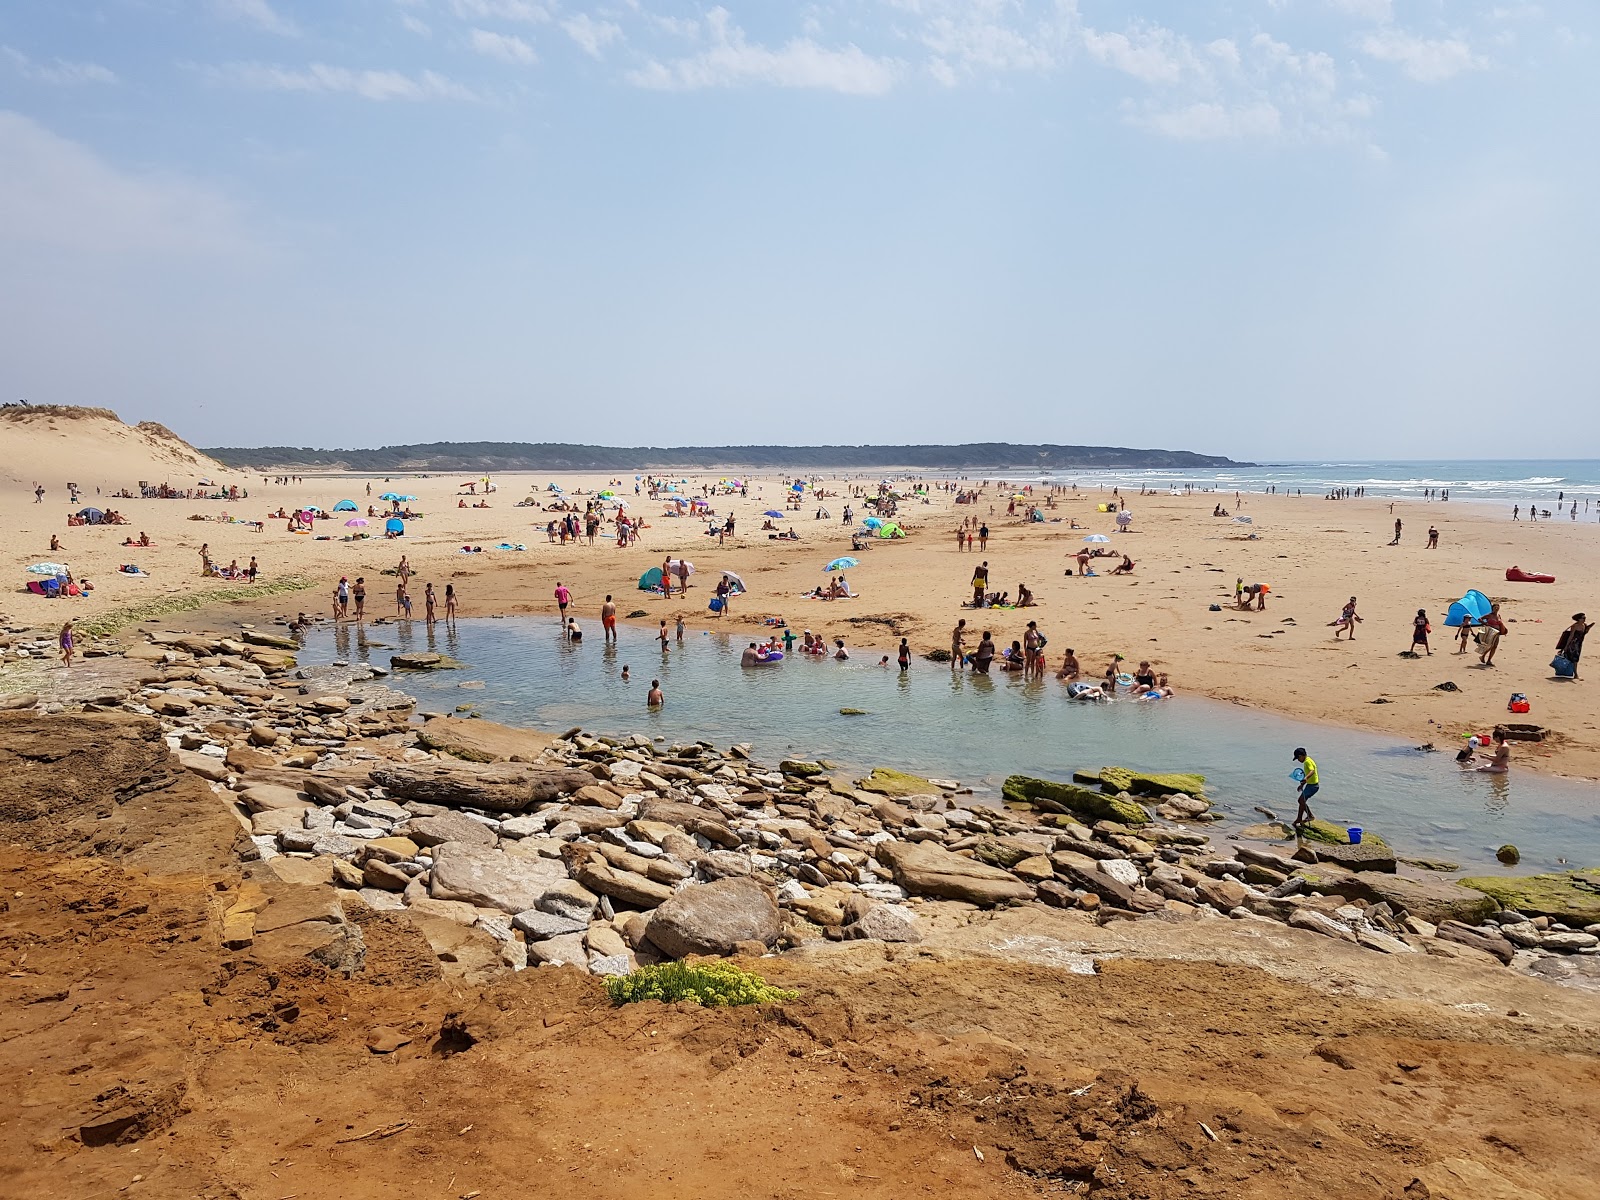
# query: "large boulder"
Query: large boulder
{"points": [[490, 879], [1431, 900], [1070, 798], [447, 827], [483, 741], [1571, 897], [713, 918], [1374, 855], [1326, 833], [886, 782], [1144, 783], [928, 870], [494, 787], [707, 822]]}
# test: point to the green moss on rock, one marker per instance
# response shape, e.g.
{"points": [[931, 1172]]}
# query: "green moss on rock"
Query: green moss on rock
{"points": [[1143, 783], [886, 782], [1572, 897], [1335, 835], [1079, 801]]}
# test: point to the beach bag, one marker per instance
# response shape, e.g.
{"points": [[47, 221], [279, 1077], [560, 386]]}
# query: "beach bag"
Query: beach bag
{"points": [[1562, 666]]}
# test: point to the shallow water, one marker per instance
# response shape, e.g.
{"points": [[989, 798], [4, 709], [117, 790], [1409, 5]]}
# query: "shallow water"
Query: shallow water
{"points": [[978, 729]]}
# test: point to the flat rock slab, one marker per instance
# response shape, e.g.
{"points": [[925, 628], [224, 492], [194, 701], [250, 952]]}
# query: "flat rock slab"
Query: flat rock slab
{"points": [[1571, 897], [483, 741], [1431, 900], [922, 868], [447, 827], [1367, 856], [712, 918], [490, 879]]}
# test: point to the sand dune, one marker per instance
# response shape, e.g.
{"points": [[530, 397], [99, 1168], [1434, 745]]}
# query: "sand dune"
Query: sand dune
{"points": [[92, 447]]}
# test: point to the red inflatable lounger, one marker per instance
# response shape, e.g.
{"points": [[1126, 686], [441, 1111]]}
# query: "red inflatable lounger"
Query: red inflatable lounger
{"points": [[1518, 575]]}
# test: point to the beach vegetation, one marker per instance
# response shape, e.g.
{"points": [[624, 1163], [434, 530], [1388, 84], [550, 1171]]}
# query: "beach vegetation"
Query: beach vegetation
{"points": [[713, 984]]}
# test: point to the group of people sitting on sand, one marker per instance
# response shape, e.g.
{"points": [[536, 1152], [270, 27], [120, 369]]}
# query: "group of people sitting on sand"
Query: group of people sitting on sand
{"points": [[837, 588], [110, 517]]}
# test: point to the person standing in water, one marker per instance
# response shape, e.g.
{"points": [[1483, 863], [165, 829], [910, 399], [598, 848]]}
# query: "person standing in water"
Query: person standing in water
{"points": [[655, 698], [1310, 785], [608, 619], [957, 636], [65, 641], [905, 656], [449, 602]]}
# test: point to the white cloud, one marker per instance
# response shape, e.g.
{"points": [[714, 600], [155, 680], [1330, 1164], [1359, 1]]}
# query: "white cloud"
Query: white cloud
{"points": [[258, 13], [506, 47], [321, 78], [1152, 54], [732, 61], [593, 36], [57, 70], [415, 25], [502, 10], [1427, 60], [970, 37], [57, 193]]}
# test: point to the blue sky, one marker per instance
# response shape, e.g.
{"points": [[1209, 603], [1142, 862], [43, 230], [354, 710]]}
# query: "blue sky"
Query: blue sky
{"points": [[1261, 228]]}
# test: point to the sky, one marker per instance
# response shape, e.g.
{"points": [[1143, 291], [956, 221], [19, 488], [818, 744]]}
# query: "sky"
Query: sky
{"points": [[1270, 229]]}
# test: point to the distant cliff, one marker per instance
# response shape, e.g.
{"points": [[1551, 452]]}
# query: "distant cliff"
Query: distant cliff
{"points": [[552, 456]]}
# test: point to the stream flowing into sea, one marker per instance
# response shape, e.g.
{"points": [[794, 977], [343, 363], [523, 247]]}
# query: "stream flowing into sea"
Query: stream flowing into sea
{"points": [[976, 729]]}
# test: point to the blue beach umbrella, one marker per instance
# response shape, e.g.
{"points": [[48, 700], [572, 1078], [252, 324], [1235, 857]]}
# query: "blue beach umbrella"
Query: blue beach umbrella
{"points": [[772, 512], [1097, 537], [389, 496], [872, 522], [839, 564]]}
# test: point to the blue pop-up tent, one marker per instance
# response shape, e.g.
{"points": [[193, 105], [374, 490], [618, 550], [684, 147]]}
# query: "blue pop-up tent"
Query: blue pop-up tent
{"points": [[650, 581], [394, 525], [345, 506], [1474, 604]]}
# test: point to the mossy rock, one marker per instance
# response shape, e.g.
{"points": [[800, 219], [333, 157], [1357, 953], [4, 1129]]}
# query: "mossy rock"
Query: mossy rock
{"points": [[804, 768], [1004, 852], [1143, 783], [1572, 897], [1335, 835], [1079, 801], [854, 712], [1267, 831], [886, 782]]}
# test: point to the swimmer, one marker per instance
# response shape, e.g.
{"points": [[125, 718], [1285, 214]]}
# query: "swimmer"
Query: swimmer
{"points": [[655, 699], [840, 652], [625, 675]]}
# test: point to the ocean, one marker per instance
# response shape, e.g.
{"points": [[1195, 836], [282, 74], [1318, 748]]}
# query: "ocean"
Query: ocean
{"points": [[1509, 481]]}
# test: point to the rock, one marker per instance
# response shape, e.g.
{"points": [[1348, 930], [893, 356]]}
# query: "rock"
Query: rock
{"points": [[1222, 894], [295, 905], [1477, 939], [390, 849], [922, 868], [1509, 855], [1376, 939], [630, 889], [1140, 783], [567, 950], [335, 945], [710, 918], [603, 941], [707, 822], [424, 661], [539, 925], [1085, 873], [887, 923], [569, 898], [447, 827], [613, 964], [1326, 832], [238, 929], [885, 782], [1372, 855], [1070, 798], [804, 768], [597, 796], [490, 879], [275, 641], [463, 952], [267, 797], [1267, 831], [424, 905], [18, 701], [493, 787], [386, 1040], [203, 765], [1034, 870], [1123, 871], [263, 735], [300, 871], [378, 874], [244, 760], [1431, 900], [1571, 897], [482, 741], [349, 875], [1567, 941], [1006, 852], [1316, 922]]}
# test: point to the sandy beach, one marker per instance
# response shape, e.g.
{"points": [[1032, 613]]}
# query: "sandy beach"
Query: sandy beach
{"points": [[1312, 553]]}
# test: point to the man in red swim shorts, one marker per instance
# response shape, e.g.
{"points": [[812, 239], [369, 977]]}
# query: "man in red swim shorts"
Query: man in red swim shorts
{"points": [[608, 618]]}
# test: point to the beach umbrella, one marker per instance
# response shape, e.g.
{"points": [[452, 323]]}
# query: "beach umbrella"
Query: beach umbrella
{"points": [[772, 512], [345, 506], [405, 497], [394, 525], [43, 568], [735, 483], [688, 567], [799, 487], [1097, 537], [735, 581], [839, 564], [891, 530], [1243, 520], [872, 522], [357, 521], [608, 494], [389, 496], [680, 501]]}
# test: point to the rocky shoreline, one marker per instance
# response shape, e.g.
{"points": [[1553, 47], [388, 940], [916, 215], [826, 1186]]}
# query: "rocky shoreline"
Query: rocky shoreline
{"points": [[511, 848]]}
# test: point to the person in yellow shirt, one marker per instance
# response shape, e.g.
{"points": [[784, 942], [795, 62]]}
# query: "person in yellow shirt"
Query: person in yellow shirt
{"points": [[1310, 784]]}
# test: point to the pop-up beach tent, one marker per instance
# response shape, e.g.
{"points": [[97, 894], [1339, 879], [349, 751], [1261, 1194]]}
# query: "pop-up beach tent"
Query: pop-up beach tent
{"points": [[650, 581], [395, 526], [345, 506], [1474, 604]]}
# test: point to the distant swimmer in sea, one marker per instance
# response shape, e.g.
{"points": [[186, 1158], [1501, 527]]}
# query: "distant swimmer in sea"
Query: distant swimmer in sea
{"points": [[655, 699]]}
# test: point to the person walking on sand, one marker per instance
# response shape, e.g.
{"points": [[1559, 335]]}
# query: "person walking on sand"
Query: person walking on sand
{"points": [[404, 570], [1310, 784], [1419, 633], [1348, 618], [666, 577], [983, 537], [1570, 646], [66, 644], [961, 540], [1433, 538], [1396, 541], [608, 619], [563, 596], [1491, 629], [1464, 634], [957, 636]]}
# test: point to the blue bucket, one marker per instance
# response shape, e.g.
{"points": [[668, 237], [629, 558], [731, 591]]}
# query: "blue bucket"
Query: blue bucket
{"points": [[1355, 835]]}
